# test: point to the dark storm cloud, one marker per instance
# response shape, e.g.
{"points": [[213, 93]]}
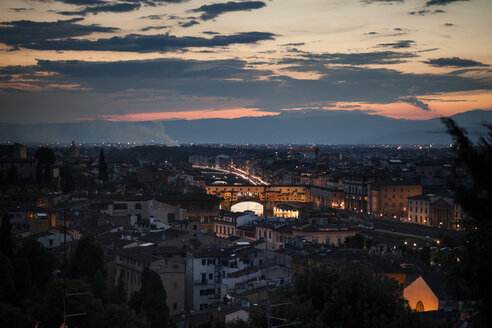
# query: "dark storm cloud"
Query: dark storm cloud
{"points": [[106, 8], [441, 2], [454, 62], [210, 32], [189, 23], [132, 42], [25, 32], [449, 24], [310, 61], [417, 103], [216, 9], [398, 44]]}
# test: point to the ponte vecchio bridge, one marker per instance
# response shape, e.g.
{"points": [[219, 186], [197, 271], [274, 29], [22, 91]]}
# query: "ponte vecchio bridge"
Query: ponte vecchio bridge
{"points": [[269, 196]]}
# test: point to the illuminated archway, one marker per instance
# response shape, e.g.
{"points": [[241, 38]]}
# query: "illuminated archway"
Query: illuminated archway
{"points": [[248, 206], [419, 307]]}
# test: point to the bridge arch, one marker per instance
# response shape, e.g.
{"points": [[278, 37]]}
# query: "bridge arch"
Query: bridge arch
{"points": [[248, 206]]}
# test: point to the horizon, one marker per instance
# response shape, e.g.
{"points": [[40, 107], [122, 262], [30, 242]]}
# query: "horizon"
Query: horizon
{"points": [[306, 128], [300, 112]]}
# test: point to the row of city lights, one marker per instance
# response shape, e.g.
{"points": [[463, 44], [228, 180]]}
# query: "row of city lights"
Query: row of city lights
{"points": [[254, 180]]}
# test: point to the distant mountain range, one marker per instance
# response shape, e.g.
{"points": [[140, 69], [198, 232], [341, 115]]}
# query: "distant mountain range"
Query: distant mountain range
{"points": [[301, 127]]}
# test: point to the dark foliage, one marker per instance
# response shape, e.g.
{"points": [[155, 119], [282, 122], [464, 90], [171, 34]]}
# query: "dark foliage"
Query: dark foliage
{"points": [[323, 296], [103, 167], [87, 262], [45, 157], [41, 261], [470, 265], [154, 299]]}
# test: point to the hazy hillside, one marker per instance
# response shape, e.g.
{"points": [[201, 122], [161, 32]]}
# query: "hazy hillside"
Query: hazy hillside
{"points": [[318, 127]]}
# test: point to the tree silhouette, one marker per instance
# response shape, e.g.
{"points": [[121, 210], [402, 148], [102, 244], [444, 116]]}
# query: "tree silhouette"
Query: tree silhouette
{"points": [[103, 167], [87, 262], [472, 185], [154, 299], [44, 158], [324, 296], [42, 262]]}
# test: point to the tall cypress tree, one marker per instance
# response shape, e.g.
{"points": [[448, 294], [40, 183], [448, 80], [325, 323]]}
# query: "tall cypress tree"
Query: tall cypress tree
{"points": [[154, 299], [103, 167]]}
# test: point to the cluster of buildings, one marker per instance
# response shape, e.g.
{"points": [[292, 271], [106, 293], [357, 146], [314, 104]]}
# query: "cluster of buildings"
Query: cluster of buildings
{"points": [[378, 183], [212, 236]]}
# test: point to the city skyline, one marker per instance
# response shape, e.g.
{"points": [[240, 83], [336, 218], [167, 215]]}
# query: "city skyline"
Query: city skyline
{"points": [[69, 60]]}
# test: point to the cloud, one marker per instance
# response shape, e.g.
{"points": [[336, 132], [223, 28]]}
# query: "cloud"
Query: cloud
{"points": [[189, 23], [441, 2], [417, 103], [293, 44], [165, 69], [428, 50], [153, 17], [424, 12], [468, 70], [24, 32], [454, 62], [348, 106], [362, 58], [148, 28], [18, 10], [110, 6], [398, 44], [448, 24], [224, 79], [45, 39], [80, 2], [216, 9], [106, 2], [383, 1], [105, 8]]}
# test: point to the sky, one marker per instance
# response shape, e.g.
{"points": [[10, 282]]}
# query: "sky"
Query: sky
{"points": [[138, 60]]}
